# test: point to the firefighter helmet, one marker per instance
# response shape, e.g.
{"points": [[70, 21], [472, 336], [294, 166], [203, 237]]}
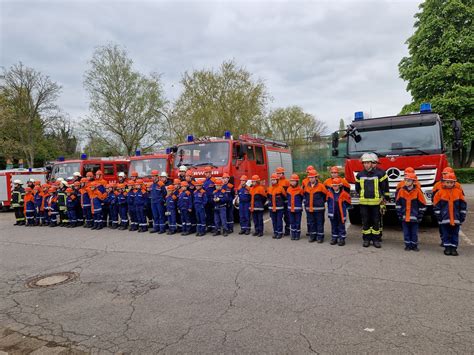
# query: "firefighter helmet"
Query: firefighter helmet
{"points": [[183, 168], [294, 177], [368, 157], [448, 170], [449, 177]]}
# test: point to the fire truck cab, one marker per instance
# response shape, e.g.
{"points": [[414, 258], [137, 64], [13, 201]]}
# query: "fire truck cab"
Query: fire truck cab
{"points": [[413, 140], [248, 155], [144, 164], [110, 167], [7, 177]]}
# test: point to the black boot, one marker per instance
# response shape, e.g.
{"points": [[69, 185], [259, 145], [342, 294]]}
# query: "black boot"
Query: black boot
{"points": [[447, 251], [333, 242], [454, 251], [217, 232], [225, 233], [341, 242], [377, 243], [366, 242], [241, 232]]}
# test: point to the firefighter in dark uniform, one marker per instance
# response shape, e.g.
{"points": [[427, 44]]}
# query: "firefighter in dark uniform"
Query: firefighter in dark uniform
{"points": [[372, 187], [18, 193]]}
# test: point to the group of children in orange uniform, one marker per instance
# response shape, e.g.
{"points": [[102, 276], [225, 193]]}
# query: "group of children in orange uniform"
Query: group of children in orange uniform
{"points": [[94, 203], [449, 206]]}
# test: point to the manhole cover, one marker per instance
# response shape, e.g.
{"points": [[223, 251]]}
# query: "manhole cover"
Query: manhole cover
{"points": [[55, 279]]}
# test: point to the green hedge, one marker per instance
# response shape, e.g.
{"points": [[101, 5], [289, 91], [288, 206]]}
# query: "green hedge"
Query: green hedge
{"points": [[465, 175]]}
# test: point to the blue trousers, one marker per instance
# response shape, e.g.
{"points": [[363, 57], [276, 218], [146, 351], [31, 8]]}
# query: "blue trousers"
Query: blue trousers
{"points": [[141, 217], [186, 220], [71, 215], [295, 224], [410, 233], [338, 229], [220, 218], [114, 215], [172, 221], [132, 212], [98, 221], [316, 224], [257, 217], [159, 217], [450, 235], [30, 217], [277, 222], [87, 213], [244, 216], [123, 209], [200, 213], [210, 215], [53, 217]]}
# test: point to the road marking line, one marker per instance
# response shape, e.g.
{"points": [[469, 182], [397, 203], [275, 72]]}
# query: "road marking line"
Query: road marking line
{"points": [[465, 238]]}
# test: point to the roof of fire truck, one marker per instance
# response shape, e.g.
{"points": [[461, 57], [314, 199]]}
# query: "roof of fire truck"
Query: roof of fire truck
{"points": [[244, 138]]}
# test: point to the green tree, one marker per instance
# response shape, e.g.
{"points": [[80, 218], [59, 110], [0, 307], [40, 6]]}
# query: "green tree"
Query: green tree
{"points": [[29, 108], [439, 67], [99, 147], [63, 137], [125, 106], [213, 101], [293, 126]]}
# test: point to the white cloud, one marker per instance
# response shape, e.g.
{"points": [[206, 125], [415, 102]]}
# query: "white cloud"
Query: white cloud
{"points": [[330, 57]]}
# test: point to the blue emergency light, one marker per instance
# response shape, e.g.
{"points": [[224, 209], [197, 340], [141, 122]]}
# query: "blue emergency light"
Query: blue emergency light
{"points": [[138, 152], [190, 138], [358, 116], [168, 150], [61, 159], [227, 135], [30, 170], [425, 107], [83, 156]]}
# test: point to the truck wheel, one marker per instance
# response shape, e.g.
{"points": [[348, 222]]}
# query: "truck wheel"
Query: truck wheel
{"points": [[354, 215]]}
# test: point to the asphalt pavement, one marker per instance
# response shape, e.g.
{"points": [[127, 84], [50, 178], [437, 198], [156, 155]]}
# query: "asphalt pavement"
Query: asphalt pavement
{"points": [[149, 293]]}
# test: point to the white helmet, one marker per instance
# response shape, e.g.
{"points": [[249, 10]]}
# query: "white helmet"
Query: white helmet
{"points": [[59, 179], [76, 174], [121, 174], [17, 182], [183, 168], [31, 180], [164, 174], [375, 158], [368, 157]]}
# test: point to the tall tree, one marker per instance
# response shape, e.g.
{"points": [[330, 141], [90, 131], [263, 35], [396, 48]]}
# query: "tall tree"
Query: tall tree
{"points": [[29, 101], [125, 106], [213, 101], [439, 67], [62, 133], [293, 125]]}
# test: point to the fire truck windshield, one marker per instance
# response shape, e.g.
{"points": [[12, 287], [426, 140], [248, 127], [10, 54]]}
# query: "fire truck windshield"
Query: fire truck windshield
{"points": [[65, 170], [204, 153], [144, 166], [397, 140]]}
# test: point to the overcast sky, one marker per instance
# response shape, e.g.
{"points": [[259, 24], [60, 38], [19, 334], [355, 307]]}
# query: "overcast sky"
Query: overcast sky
{"points": [[329, 57]]}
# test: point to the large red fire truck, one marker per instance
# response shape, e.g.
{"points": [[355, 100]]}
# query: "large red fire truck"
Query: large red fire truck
{"points": [[144, 164], [7, 177], [109, 166], [247, 155], [413, 140]]}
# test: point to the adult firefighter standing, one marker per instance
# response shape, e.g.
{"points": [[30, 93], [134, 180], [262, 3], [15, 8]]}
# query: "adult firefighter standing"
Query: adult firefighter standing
{"points": [[372, 187]]}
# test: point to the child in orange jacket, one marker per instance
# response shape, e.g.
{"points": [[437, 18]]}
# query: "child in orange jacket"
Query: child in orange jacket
{"points": [[450, 208], [410, 205]]}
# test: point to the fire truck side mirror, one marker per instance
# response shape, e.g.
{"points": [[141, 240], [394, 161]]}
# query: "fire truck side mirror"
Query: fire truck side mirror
{"points": [[457, 135], [335, 140]]}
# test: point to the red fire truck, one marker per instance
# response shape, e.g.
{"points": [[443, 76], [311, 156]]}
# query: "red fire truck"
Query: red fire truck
{"points": [[413, 140], [144, 164], [247, 155], [8, 176], [109, 166]]}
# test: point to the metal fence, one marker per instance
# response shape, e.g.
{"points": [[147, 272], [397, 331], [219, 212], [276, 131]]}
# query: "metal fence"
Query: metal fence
{"points": [[317, 154]]}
